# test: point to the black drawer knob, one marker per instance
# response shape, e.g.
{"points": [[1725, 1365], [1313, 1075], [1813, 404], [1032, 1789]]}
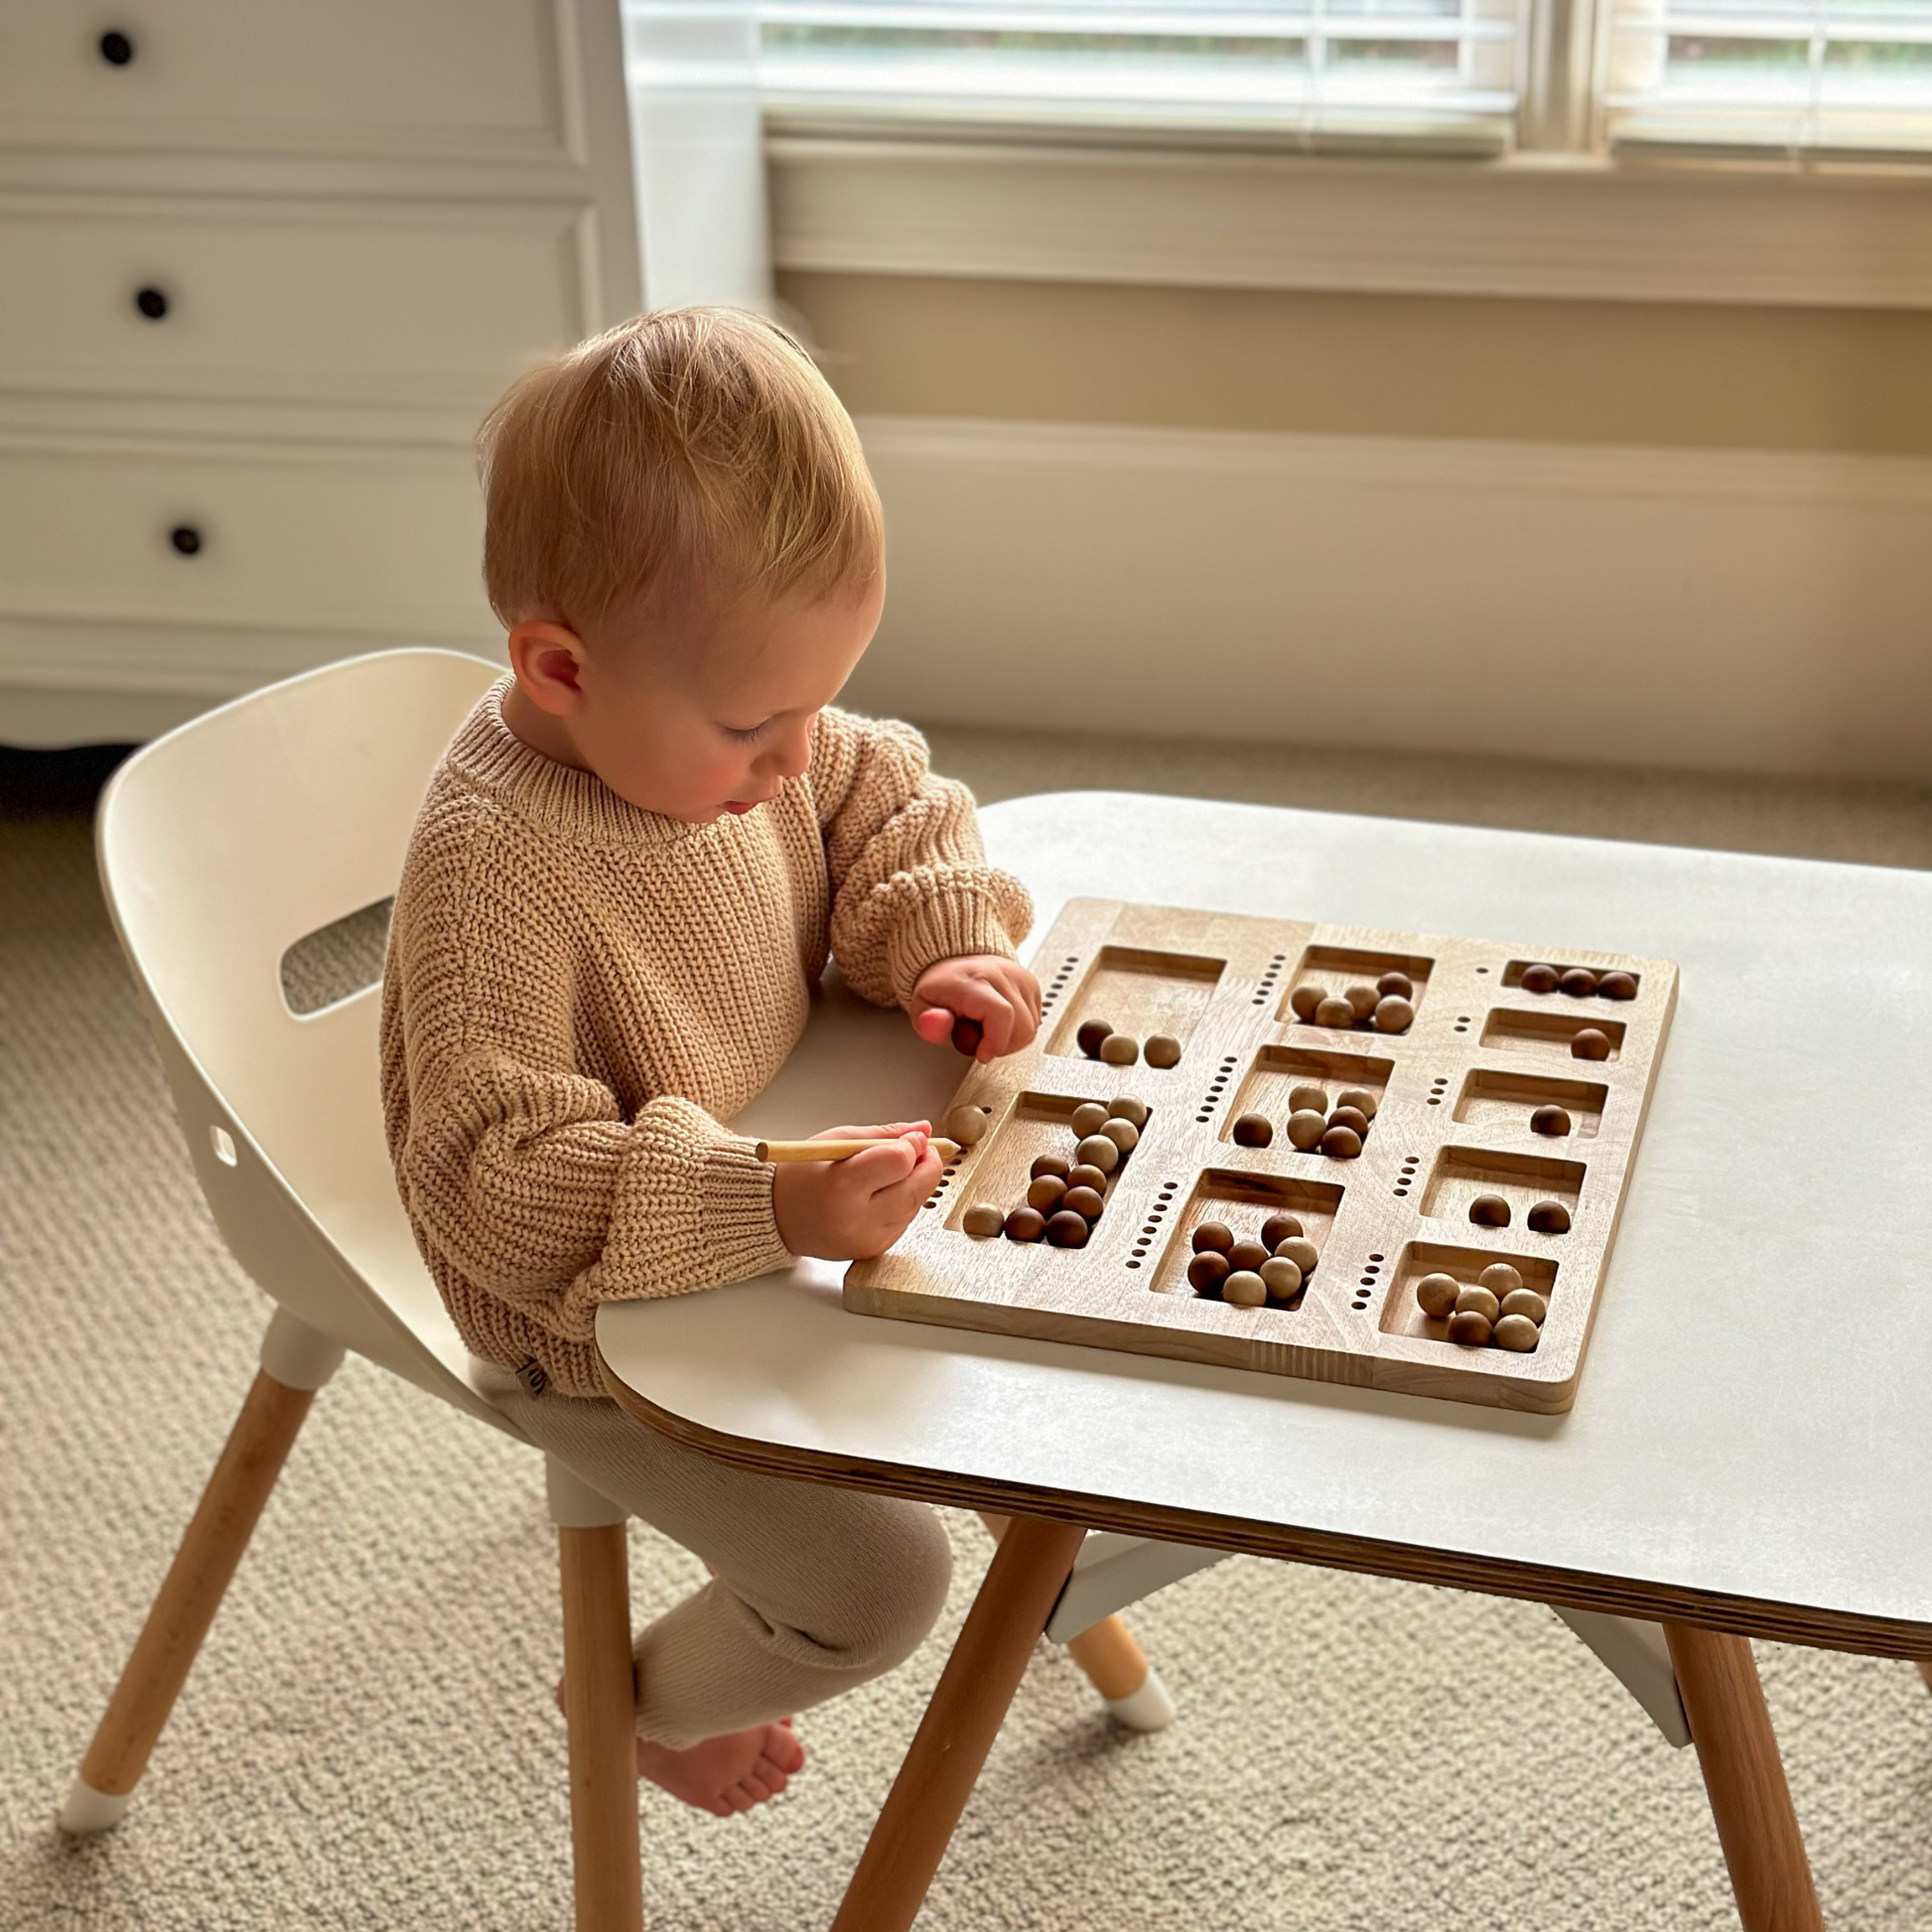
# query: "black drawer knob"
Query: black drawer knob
{"points": [[116, 47], [152, 303], [186, 538]]}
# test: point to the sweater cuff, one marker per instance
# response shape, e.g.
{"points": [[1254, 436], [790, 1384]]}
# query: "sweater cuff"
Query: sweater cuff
{"points": [[941, 925], [735, 1217]]}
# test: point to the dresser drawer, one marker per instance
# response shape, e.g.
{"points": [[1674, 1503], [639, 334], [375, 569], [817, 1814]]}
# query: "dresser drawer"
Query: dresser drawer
{"points": [[386, 543], [365, 301], [356, 77]]}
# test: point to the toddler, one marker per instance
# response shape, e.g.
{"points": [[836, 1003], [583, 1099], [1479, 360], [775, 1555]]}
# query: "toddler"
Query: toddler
{"points": [[624, 882]]}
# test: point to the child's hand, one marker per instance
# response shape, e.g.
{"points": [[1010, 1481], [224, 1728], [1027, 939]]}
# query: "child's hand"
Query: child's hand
{"points": [[997, 994], [851, 1210]]}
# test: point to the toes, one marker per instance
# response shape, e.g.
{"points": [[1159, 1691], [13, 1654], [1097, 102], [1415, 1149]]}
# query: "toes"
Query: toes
{"points": [[774, 1776]]}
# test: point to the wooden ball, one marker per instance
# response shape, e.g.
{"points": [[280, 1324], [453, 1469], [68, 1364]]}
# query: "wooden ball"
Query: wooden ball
{"points": [[1026, 1224], [1046, 1193], [982, 1218], [1053, 1164], [1123, 1106], [1091, 1035], [1351, 1118], [1617, 986], [1340, 1144], [1550, 1217], [1307, 1098], [1085, 1203], [1303, 1252], [1249, 1255], [1068, 1229], [1206, 1272], [1469, 1328], [966, 1037], [1097, 1151], [1085, 1176], [1305, 999], [1306, 1128], [1245, 1288], [1120, 1049], [1213, 1237], [1471, 1294], [966, 1125], [1436, 1295], [1277, 1229], [1397, 985], [1394, 1016], [1539, 978], [1281, 1278], [1123, 1133], [1579, 983], [1361, 997], [1253, 1129], [1516, 1331], [1500, 1279], [1588, 1043], [1088, 1118], [1552, 1121], [1335, 1013], [1162, 1050], [1489, 1211], [1363, 1102], [1527, 1303]]}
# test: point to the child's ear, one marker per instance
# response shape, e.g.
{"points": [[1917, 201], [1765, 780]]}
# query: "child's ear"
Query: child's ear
{"points": [[548, 659]]}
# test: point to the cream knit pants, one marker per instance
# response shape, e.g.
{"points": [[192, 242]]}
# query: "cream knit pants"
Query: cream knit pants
{"points": [[813, 1590]]}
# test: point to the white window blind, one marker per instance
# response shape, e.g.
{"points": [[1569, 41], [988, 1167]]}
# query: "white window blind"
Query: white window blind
{"points": [[1315, 69], [1845, 75]]}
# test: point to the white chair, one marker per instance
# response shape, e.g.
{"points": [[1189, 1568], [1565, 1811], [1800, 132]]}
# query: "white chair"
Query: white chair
{"points": [[221, 846]]}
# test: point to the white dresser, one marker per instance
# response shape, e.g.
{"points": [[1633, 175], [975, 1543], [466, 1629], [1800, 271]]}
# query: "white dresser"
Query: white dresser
{"points": [[263, 266]]}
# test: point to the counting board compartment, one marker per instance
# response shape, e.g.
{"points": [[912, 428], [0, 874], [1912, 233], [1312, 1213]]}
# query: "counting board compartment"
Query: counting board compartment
{"points": [[1277, 1070], [1549, 1034], [1461, 1173], [1244, 1200], [998, 1169], [1140, 991], [1495, 1103], [1338, 966]]}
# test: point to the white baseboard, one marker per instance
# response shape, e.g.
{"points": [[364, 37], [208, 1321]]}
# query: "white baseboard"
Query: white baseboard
{"points": [[1740, 610]]}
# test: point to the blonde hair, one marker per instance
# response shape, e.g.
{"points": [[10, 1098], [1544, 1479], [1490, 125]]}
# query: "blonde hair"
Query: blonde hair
{"points": [[688, 453]]}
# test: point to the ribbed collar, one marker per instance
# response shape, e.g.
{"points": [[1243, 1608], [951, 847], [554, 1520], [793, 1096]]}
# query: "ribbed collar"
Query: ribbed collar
{"points": [[562, 799]]}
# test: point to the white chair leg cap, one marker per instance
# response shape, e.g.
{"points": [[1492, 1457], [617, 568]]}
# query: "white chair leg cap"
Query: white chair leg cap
{"points": [[1148, 1709], [89, 1811]]}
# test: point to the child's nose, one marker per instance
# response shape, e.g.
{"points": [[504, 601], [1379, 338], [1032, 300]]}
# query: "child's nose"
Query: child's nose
{"points": [[792, 752]]}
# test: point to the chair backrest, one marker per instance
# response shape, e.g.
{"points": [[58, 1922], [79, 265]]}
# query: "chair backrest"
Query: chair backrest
{"points": [[221, 846]]}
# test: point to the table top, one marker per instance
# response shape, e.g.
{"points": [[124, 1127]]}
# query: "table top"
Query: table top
{"points": [[1751, 1441]]}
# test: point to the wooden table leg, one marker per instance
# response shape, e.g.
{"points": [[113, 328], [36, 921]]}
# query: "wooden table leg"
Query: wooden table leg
{"points": [[1717, 1677], [1027, 1572], [601, 1716], [1925, 1671]]}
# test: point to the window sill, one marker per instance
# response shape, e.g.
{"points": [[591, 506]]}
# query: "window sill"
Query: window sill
{"points": [[1628, 230]]}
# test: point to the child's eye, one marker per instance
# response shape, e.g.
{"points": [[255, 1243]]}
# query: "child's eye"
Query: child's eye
{"points": [[745, 737]]}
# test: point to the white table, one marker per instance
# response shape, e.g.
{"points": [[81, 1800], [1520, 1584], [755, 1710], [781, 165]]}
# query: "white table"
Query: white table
{"points": [[1748, 1447]]}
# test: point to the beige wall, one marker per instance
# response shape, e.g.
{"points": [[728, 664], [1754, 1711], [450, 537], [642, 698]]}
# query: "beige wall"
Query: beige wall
{"points": [[1662, 375]]}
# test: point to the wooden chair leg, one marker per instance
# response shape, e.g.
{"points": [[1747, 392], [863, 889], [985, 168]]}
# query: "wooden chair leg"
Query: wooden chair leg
{"points": [[599, 1709], [1925, 1671], [1028, 1573], [1717, 1679], [192, 1593]]}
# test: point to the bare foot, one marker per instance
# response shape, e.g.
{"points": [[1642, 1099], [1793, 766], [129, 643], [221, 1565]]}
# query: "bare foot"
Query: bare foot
{"points": [[724, 1776]]}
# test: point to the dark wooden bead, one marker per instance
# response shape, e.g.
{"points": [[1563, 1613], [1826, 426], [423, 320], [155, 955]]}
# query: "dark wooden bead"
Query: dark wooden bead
{"points": [[1249, 1255], [1552, 1121], [1399, 984], [1090, 1036], [1046, 1193], [1617, 986], [1539, 979], [1083, 1201], [966, 1037], [1084, 1176], [1578, 982], [1489, 1211], [1351, 1118], [1253, 1129], [1550, 1217], [1213, 1236], [1469, 1328], [1277, 1229], [1206, 1272], [1305, 999], [1053, 1164], [1026, 1224], [1068, 1229], [1340, 1144], [1590, 1045]]}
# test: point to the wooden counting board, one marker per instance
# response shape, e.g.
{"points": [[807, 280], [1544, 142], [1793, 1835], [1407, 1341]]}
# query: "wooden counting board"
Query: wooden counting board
{"points": [[1455, 1096]]}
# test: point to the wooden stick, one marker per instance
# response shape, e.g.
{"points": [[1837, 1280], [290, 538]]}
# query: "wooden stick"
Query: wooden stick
{"points": [[949, 1151], [600, 1710]]}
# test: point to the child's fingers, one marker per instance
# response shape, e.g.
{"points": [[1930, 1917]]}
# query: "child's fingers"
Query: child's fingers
{"points": [[934, 1025], [883, 1167], [997, 1019]]}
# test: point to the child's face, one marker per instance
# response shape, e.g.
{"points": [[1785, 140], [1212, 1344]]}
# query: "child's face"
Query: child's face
{"points": [[711, 722]]}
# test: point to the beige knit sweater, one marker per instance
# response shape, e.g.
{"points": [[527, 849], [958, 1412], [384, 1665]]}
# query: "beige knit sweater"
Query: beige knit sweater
{"points": [[577, 991]]}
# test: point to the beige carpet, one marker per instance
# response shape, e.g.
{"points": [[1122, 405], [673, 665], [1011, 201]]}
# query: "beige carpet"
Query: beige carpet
{"points": [[368, 1740]]}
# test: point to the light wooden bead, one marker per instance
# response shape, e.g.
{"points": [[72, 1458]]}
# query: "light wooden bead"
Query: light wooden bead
{"points": [[1398, 984], [1253, 1129], [1206, 1272], [1083, 1201], [1436, 1295], [1046, 1193], [1340, 1144], [1091, 1036], [1474, 1296], [1277, 1229], [1088, 1118], [1120, 1049], [1359, 1098], [1215, 1237], [1097, 1151], [1307, 1098], [1550, 1217], [1026, 1224], [1588, 1043], [1301, 1252], [1516, 1331], [982, 1218], [1362, 998], [1306, 1128], [1469, 1328], [1247, 1254], [1527, 1303], [1305, 999], [1500, 1279], [1335, 1013], [1162, 1050], [1489, 1211], [1550, 1121], [1086, 1175], [1123, 1106], [1068, 1229], [1123, 1133], [1245, 1288], [1281, 1278], [1053, 1164], [966, 1125], [1394, 1016]]}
